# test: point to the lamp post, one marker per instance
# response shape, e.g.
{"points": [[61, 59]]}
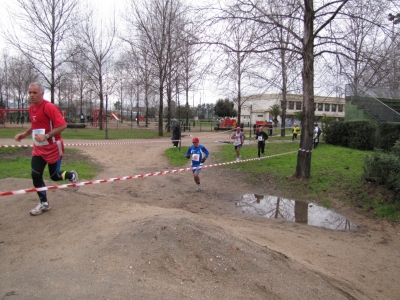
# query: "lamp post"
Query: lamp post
{"points": [[251, 111], [106, 117]]}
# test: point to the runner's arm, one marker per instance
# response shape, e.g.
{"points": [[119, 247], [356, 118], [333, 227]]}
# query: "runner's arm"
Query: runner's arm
{"points": [[18, 137]]}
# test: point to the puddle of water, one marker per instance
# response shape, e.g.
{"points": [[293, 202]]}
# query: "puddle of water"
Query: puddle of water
{"points": [[273, 207]]}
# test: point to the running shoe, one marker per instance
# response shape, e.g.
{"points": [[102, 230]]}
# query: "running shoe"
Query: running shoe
{"points": [[41, 207], [198, 188], [75, 179]]}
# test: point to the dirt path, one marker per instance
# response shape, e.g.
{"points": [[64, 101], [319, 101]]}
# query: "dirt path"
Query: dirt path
{"points": [[156, 238]]}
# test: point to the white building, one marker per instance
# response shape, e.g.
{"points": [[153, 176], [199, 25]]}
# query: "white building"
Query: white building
{"points": [[256, 107]]}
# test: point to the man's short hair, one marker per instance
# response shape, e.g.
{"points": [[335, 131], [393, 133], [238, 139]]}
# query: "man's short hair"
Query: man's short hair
{"points": [[39, 85]]}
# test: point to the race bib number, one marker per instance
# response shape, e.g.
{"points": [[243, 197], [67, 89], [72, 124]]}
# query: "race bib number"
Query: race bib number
{"points": [[260, 138], [238, 138], [196, 157], [39, 131]]}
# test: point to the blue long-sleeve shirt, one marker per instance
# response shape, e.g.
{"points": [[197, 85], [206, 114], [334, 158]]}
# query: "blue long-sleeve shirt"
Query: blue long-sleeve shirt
{"points": [[197, 154]]}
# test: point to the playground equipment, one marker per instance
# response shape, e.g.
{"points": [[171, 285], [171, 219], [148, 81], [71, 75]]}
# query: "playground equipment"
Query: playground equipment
{"points": [[116, 117], [141, 119], [264, 123], [96, 117], [225, 124]]}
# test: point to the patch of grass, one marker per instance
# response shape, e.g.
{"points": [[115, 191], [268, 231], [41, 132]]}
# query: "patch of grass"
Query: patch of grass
{"points": [[177, 157], [390, 212], [326, 203], [16, 163], [333, 169], [90, 134]]}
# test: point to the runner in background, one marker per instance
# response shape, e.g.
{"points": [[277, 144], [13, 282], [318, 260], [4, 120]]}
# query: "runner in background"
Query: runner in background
{"points": [[261, 137], [238, 136], [198, 154]]}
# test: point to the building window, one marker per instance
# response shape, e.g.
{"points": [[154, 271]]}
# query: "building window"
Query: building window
{"points": [[340, 107], [327, 106], [260, 116], [333, 108], [291, 104], [298, 105], [320, 106]]}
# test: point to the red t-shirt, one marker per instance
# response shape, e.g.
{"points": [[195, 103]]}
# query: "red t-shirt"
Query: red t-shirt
{"points": [[47, 116]]}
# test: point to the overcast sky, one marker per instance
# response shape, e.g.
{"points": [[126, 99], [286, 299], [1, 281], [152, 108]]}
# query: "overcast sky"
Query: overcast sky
{"points": [[106, 8]]}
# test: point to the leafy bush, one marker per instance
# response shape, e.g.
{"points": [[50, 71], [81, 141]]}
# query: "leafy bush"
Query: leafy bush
{"points": [[362, 135], [384, 168], [388, 134], [357, 135], [396, 148]]}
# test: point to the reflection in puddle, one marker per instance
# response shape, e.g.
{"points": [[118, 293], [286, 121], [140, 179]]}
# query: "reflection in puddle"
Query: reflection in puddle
{"points": [[273, 207]]}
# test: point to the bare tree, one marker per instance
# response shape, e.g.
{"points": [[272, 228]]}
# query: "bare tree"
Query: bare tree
{"points": [[42, 28], [193, 69], [154, 24], [312, 25], [364, 53], [121, 78], [79, 70], [237, 40], [97, 45], [279, 69], [4, 80], [21, 74]]}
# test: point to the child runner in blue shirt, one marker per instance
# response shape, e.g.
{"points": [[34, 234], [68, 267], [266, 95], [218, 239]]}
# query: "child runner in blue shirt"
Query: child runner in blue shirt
{"points": [[198, 153]]}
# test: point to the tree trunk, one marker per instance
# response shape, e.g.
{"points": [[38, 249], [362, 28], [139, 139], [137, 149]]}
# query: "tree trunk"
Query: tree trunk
{"points": [[303, 168], [161, 108], [284, 92]]}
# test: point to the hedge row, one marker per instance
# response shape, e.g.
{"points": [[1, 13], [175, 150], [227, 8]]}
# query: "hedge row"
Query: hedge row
{"points": [[362, 135]]}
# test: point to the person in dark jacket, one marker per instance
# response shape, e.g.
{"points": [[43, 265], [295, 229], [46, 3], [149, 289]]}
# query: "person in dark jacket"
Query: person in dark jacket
{"points": [[176, 133], [261, 137]]}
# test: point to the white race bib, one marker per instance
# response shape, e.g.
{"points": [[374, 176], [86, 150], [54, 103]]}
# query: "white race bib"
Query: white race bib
{"points": [[39, 131], [196, 157]]}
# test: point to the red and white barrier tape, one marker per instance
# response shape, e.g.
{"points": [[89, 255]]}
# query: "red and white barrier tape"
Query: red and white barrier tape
{"points": [[63, 186], [89, 144]]}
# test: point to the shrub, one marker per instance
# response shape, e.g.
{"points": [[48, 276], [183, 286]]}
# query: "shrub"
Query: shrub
{"points": [[357, 135], [388, 134], [384, 168], [362, 135], [396, 148]]}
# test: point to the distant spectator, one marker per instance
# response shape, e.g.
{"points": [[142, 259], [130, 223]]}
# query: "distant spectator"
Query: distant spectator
{"points": [[295, 131], [317, 133], [176, 133], [270, 129]]}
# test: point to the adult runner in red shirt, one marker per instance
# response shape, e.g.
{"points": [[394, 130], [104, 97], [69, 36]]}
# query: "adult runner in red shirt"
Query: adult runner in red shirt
{"points": [[47, 123]]}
